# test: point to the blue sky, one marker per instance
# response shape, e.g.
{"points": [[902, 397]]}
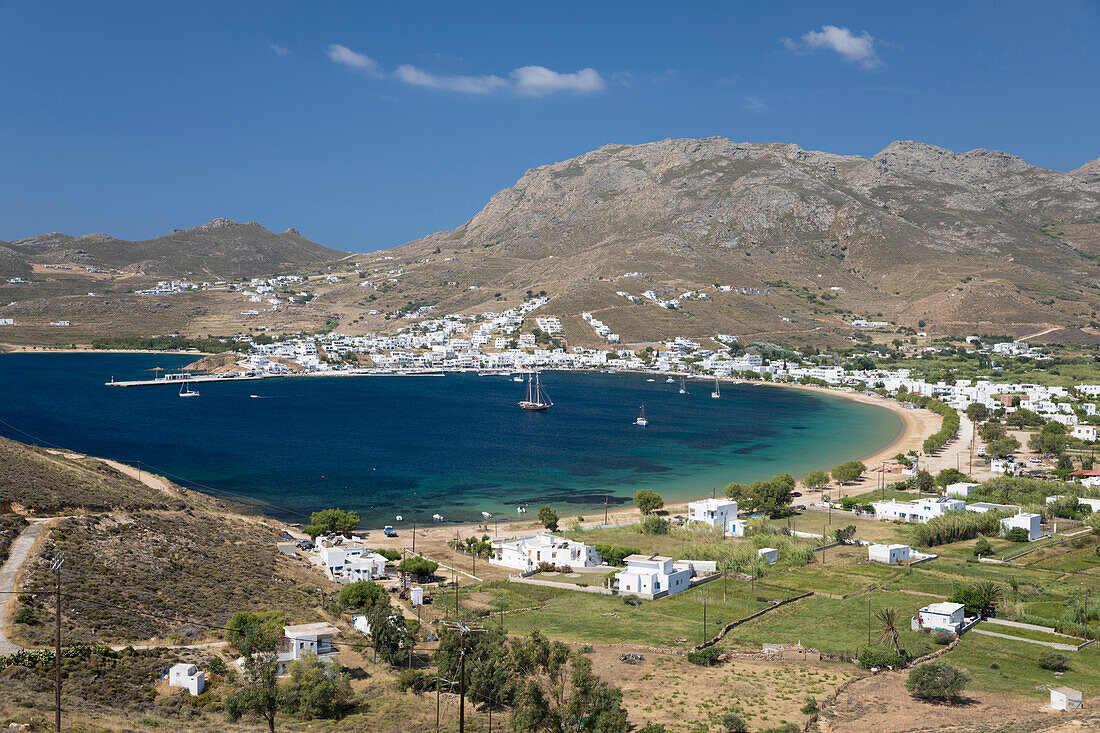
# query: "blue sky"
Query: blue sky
{"points": [[366, 124]]}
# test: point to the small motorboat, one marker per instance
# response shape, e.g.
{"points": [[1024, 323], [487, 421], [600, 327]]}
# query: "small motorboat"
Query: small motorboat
{"points": [[487, 515], [399, 518], [521, 510], [437, 517]]}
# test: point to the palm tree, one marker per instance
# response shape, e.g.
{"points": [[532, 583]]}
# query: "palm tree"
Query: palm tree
{"points": [[888, 631], [991, 594]]}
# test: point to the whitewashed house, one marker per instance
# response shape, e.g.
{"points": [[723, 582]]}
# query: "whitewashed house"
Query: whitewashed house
{"points": [[1030, 522], [1084, 432], [888, 554], [1065, 698], [525, 553], [348, 563], [651, 576], [770, 555], [962, 488], [943, 616], [299, 640], [188, 677], [715, 513], [919, 511]]}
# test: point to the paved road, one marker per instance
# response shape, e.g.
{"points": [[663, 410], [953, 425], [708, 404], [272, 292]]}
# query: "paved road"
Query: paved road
{"points": [[20, 550]]}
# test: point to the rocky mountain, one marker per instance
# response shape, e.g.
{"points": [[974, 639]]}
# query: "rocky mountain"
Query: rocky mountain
{"points": [[917, 235], [221, 248]]}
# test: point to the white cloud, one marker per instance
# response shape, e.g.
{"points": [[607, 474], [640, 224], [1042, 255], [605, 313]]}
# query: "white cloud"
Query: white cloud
{"points": [[467, 84], [279, 50], [538, 81], [525, 81], [859, 49], [346, 57], [755, 104]]}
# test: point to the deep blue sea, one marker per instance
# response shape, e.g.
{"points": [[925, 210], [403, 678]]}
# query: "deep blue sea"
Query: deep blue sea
{"points": [[457, 445]]}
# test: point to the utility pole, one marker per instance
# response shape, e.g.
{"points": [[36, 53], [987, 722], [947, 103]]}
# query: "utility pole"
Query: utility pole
{"points": [[605, 510], [437, 700], [56, 567], [868, 619], [462, 630], [824, 541], [704, 619], [414, 537]]}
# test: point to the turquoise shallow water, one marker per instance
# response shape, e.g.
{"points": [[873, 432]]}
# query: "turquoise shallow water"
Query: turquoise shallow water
{"points": [[457, 445]]}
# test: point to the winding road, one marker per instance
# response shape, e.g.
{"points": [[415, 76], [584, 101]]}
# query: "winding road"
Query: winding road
{"points": [[9, 574]]}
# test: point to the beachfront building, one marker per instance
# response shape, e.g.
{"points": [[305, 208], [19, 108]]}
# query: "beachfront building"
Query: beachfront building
{"points": [[652, 576], [919, 511], [962, 489], [716, 513], [348, 561], [525, 553], [943, 616], [299, 640], [888, 554], [1024, 520]]}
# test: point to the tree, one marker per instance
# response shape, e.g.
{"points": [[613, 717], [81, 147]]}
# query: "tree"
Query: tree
{"points": [[982, 547], [849, 471], [949, 476], [246, 631], [421, 567], [1003, 447], [816, 479], [648, 501], [257, 691], [390, 636], [936, 681], [991, 431], [1051, 439], [655, 525], [327, 521], [548, 518], [844, 535], [734, 723], [977, 412], [888, 627], [1017, 534], [924, 481], [1022, 418], [489, 665], [363, 595], [316, 689], [737, 492]]}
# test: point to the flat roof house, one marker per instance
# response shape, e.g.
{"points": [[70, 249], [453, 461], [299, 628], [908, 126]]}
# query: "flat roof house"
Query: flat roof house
{"points": [[1065, 698], [962, 488], [1030, 522], [652, 576], [299, 640], [943, 616], [525, 553], [920, 510], [889, 554], [188, 677], [714, 513]]}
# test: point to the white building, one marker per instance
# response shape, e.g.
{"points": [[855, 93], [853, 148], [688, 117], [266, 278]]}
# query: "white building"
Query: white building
{"points": [[188, 677], [348, 563], [525, 553], [769, 555], [962, 488], [299, 640], [920, 510], [1065, 698], [1030, 522], [943, 616], [1084, 432], [714, 513], [889, 554], [652, 575]]}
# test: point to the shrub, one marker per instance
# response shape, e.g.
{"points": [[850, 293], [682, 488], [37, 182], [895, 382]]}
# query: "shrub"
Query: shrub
{"points": [[734, 723], [706, 657], [942, 638], [936, 681], [956, 526], [548, 518], [415, 680], [810, 707], [653, 524], [614, 555], [982, 547], [363, 594], [632, 601], [26, 616], [653, 728], [873, 656], [421, 567], [1017, 534], [217, 666], [1053, 661], [391, 555]]}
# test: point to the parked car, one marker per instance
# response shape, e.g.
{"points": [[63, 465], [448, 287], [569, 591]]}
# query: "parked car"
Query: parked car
{"points": [[796, 493], [389, 531], [1033, 459]]}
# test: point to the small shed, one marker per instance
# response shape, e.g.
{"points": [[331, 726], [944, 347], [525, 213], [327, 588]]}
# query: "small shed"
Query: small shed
{"points": [[889, 554], [1065, 698], [417, 596], [770, 555]]}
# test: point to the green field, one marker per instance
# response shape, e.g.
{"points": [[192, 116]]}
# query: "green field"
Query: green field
{"points": [[832, 626], [1017, 671], [1028, 633]]}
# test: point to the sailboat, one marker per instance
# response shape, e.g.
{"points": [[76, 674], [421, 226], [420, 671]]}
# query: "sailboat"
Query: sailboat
{"points": [[683, 385], [641, 418], [186, 391], [717, 389], [537, 398]]}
